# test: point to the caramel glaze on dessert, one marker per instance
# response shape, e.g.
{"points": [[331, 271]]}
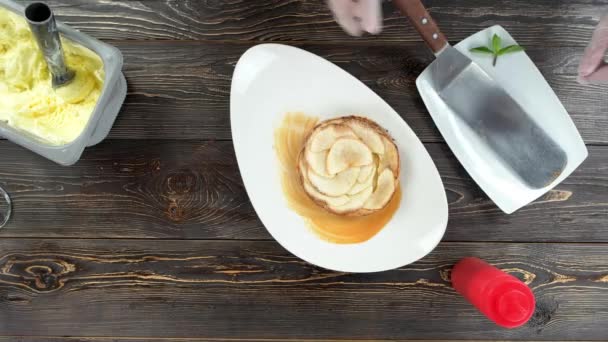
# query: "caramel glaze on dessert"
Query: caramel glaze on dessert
{"points": [[289, 139]]}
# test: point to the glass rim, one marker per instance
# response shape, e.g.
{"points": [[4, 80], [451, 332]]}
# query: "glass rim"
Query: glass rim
{"points": [[7, 215]]}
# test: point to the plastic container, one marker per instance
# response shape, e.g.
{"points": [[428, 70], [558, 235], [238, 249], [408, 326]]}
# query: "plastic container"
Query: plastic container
{"points": [[108, 105], [499, 296]]}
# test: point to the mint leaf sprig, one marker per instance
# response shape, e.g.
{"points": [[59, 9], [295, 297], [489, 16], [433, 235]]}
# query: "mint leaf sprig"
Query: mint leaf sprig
{"points": [[496, 49]]}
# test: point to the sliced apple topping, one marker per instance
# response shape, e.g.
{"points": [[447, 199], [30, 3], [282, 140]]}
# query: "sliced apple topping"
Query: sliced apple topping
{"points": [[369, 136], [383, 193], [347, 153], [349, 166], [337, 185], [318, 162], [326, 136]]}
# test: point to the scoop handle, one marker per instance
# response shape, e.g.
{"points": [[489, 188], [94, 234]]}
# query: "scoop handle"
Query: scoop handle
{"points": [[44, 28], [422, 21]]}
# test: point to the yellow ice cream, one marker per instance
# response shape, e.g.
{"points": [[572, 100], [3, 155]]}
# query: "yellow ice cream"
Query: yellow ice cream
{"points": [[27, 99]]}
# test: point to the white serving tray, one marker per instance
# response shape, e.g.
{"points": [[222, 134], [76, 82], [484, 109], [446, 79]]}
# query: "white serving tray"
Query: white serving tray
{"points": [[524, 82]]}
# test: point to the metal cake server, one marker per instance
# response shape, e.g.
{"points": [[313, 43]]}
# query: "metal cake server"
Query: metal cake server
{"points": [[476, 99]]}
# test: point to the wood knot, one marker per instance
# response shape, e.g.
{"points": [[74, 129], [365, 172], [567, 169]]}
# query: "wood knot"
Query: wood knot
{"points": [[41, 275], [446, 274], [44, 277], [181, 182], [181, 191], [175, 212], [523, 275], [544, 312]]}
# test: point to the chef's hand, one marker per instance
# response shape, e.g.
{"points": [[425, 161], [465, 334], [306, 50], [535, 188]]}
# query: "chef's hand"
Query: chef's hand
{"points": [[358, 16], [593, 67]]}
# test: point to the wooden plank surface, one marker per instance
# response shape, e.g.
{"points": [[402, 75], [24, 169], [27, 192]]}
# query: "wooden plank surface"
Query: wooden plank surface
{"points": [[182, 90], [151, 236], [193, 190], [169, 339], [249, 289], [546, 22]]}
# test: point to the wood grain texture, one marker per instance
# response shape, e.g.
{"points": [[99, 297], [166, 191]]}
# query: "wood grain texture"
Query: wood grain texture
{"points": [[188, 339], [539, 22], [192, 190], [151, 236], [182, 90], [240, 289]]}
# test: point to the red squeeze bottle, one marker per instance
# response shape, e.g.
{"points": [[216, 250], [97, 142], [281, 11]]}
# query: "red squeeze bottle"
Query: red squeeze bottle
{"points": [[500, 296]]}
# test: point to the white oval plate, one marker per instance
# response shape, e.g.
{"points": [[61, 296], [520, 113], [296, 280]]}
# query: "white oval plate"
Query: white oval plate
{"points": [[272, 79]]}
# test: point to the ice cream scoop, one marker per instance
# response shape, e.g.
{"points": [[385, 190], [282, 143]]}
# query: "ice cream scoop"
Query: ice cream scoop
{"points": [[42, 23], [29, 101]]}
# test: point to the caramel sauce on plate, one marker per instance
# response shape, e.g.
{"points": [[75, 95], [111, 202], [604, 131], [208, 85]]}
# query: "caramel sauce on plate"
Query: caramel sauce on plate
{"points": [[289, 138]]}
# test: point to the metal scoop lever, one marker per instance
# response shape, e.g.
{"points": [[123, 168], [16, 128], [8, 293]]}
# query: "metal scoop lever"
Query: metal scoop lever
{"points": [[42, 24]]}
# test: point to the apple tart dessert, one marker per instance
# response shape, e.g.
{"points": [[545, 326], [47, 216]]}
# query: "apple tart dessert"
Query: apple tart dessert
{"points": [[349, 166]]}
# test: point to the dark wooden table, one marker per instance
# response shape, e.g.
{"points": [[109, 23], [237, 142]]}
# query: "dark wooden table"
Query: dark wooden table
{"points": [[151, 236]]}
